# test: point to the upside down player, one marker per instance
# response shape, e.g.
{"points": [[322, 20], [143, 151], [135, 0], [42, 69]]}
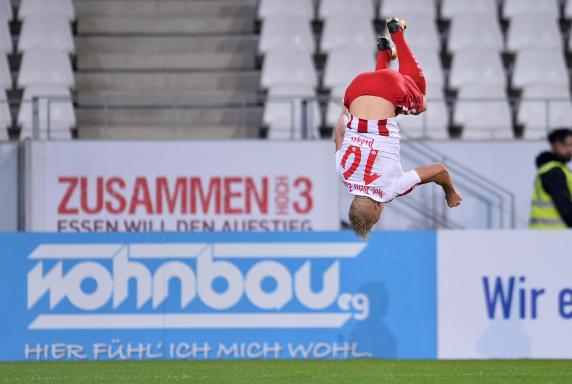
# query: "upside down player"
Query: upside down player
{"points": [[367, 135]]}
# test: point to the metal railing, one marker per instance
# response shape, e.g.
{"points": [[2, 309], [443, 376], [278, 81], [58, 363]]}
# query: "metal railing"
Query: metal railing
{"points": [[288, 117]]}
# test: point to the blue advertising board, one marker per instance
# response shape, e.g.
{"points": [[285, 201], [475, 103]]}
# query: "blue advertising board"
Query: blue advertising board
{"points": [[217, 296]]}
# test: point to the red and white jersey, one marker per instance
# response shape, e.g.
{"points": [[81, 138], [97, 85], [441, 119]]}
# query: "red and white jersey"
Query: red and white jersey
{"points": [[369, 162]]}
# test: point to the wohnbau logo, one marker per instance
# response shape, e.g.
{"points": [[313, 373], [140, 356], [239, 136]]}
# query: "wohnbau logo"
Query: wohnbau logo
{"points": [[113, 267]]}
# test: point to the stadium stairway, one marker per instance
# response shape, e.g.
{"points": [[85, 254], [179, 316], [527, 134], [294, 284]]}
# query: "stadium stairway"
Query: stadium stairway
{"points": [[167, 69]]}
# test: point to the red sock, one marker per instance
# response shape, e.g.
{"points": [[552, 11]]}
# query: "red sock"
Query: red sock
{"points": [[407, 63], [383, 58]]}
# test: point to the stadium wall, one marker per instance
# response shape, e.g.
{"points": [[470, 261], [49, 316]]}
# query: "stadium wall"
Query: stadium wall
{"points": [[232, 186], [319, 295], [8, 187]]}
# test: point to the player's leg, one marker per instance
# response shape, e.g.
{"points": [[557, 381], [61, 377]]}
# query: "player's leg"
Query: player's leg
{"points": [[385, 53], [407, 63], [438, 173]]}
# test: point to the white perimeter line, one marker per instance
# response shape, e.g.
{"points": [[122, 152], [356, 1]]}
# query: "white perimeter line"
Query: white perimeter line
{"points": [[288, 250], [182, 321]]}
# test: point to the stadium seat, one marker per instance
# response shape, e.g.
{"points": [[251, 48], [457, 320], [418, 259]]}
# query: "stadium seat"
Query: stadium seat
{"points": [[364, 9], [422, 33], [334, 107], [453, 8], [470, 32], [484, 112], [6, 11], [283, 112], [343, 65], [512, 8], [62, 8], [56, 113], [5, 38], [431, 124], [5, 74], [544, 107], [288, 68], [301, 8], [5, 116], [406, 9], [288, 33], [39, 32], [45, 67], [338, 33], [539, 66], [524, 32], [477, 66], [429, 60]]}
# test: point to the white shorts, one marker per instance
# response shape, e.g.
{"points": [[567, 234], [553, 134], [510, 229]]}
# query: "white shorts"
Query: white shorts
{"points": [[370, 165]]}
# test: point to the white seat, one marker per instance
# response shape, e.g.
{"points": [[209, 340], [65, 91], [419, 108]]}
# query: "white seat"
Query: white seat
{"points": [[338, 33], [288, 68], [39, 32], [430, 62], [484, 112], [334, 107], [539, 66], [301, 8], [343, 65], [6, 11], [453, 8], [470, 32], [288, 33], [6, 45], [477, 66], [357, 8], [283, 112], [5, 116], [56, 114], [62, 8], [512, 8], [524, 32], [405, 9], [422, 33], [5, 74], [45, 67], [542, 108]]}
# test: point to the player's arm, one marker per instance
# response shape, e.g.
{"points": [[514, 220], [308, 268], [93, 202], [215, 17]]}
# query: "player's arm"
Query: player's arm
{"points": [[438, 173], [434, 173], [340, 129]]}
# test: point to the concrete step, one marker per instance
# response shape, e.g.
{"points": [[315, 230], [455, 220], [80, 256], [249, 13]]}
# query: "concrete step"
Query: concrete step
{"points": [[125, 132], [143, 61], [167, 44], [166, 117], [164, 25], [243, 8], [167, 82], [232, 98]]}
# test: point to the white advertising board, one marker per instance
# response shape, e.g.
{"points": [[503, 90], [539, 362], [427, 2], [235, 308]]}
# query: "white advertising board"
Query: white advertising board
{"points": [[504, 294], [181, 186]]}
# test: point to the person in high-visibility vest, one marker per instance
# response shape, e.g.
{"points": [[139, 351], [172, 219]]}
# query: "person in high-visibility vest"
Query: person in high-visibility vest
{"points": [[552, 192]]}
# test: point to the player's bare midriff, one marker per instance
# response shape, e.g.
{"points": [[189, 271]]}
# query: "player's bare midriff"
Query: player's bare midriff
{"points": [[372, 108]]}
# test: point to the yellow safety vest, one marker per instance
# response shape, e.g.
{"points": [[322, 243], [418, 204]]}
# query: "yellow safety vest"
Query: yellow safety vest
{"points": [[543, 214]]}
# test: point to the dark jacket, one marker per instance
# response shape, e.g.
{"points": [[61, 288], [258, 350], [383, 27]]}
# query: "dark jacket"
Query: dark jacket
{"points": [[554, 183]]}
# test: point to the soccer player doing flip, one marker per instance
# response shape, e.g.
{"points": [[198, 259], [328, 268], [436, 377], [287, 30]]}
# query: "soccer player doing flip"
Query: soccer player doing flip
{"points": [[367, 135]]}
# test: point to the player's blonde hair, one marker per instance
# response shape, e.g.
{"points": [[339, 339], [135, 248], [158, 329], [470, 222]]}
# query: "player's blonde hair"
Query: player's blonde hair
{"points": [[362, 216]]}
